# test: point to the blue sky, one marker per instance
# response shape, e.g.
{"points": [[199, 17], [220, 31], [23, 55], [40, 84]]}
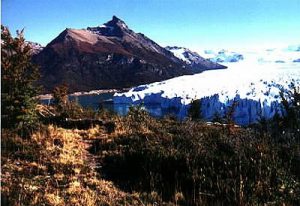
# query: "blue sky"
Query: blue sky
{"points": [[195, 24]]}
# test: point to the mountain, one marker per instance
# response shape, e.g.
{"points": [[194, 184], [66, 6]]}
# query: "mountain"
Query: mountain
{"points": [[197, 62], [106, 56]]}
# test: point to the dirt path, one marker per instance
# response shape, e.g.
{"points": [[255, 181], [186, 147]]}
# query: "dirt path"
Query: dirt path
{"points": [[89, 155]]}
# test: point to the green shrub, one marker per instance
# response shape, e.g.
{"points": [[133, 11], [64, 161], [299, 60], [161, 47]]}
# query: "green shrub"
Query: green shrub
{"points": [[18, 84]]}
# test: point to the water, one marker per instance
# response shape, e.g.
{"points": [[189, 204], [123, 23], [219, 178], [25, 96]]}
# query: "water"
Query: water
{"points": [[105, 100], [94, 101]]}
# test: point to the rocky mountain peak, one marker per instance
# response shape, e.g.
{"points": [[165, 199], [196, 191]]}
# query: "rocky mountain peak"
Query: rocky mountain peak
{"points": [[116, 22], [115, 27], [174, 47]]}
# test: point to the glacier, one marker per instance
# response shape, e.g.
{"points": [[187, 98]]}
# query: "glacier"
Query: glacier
{"points": [[254, 84]]}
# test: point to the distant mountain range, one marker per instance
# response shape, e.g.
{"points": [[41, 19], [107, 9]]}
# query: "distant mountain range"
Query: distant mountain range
{"points": [[289, 54], [223, 56], [35, 47], [111, 56]]}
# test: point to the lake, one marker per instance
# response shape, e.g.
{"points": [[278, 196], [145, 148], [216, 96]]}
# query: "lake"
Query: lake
{"points": [[105, 100]]}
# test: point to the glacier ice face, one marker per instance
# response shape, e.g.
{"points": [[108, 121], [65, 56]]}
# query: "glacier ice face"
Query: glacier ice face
{"points": [[254, 82], [246, 112]]}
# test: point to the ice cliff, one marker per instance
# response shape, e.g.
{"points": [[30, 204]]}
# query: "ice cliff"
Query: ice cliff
{"points": [[254, 85]]}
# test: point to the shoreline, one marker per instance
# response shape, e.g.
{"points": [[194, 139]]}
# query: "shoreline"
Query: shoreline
{"points": [[92, 92]]}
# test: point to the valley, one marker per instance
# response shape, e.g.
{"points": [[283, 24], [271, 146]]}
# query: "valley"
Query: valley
{"points": [[150, 103]]}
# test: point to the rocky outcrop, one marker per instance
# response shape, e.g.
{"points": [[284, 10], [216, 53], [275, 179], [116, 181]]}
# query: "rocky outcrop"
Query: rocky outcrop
{"points": [[197, 62]]}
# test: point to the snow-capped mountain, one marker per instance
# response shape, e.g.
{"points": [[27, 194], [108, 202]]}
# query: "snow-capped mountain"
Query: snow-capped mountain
{"points": [[193, 58], [254, 84]]}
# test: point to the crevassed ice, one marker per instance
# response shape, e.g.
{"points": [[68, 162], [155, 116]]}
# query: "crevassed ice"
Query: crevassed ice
{"points": [[255, 85]]}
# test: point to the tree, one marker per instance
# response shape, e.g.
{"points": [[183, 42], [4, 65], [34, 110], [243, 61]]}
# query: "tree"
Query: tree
{"points": [[66, 108], [18, 83], [290, 101], [60, 97], [230, 116], [194, 111], [230, 112]]}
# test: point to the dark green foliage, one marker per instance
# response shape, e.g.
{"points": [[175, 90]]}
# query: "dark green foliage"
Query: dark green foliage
{"points": [[289, 122], [230, 112], [291, 104], [218, 118], [194, 111], [18, 89]]}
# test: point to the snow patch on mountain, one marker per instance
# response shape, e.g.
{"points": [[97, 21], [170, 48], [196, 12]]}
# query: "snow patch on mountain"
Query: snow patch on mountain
{"points": [[184, 54], [193, 59], [179, 53]]}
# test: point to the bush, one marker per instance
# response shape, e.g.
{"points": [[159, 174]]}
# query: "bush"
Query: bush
{"points": [[69, 109], [205, 165], [138, 120]]}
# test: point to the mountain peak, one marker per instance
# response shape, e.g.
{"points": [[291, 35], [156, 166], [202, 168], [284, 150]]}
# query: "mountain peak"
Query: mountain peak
{"points": [[115, 18], [115, 27], [116, 22]]}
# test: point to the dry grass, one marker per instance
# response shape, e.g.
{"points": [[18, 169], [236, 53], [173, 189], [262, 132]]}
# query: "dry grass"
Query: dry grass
{"points": [[197, 163], [52, 168]]}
